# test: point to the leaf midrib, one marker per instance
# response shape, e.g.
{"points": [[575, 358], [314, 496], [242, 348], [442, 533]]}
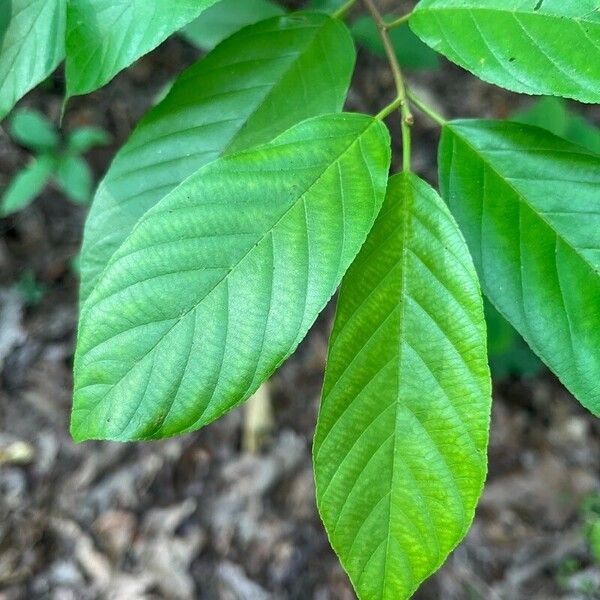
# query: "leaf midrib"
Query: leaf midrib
{"points": [[23, 38], [522, 198], [405, 209]]}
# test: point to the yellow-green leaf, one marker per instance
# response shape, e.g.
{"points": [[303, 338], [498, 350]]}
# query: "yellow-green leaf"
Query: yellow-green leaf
{"points": [[400, 447]]}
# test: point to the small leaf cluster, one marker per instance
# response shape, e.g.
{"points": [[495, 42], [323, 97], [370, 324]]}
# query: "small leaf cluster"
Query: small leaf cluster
{"points": [[247, 197], [54, 160]]}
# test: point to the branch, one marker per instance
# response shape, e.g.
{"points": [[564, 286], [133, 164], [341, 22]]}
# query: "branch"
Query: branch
{"points": [[341, 12], [397, 22], [402, 101]]}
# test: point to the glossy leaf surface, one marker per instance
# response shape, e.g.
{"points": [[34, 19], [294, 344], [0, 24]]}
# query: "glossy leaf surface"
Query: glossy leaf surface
{"points": [[549, 47], [400, 447], [220, 281], [529, 205], [251, 88], [105, 36], [32, 47]]}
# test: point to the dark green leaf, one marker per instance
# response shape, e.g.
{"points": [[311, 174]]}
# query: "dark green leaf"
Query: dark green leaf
{"points": [[27, 185], [225, 18], [554, 115], [508, 352], [105, 36], [5, 13], [529, 205], [400, 447], [31, 49], [550, 47], [34, 130], [410, 50], [220, 281], [328, 6], [75, 178], [249, 89]]}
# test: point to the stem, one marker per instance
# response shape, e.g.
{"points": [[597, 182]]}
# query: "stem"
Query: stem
{"points": [[397, 22], [341, 12], [389, 109], [258, 419], [406, 147], [426, 109], [402, 100]]}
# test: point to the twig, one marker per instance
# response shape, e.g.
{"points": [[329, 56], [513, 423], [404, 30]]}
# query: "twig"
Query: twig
{"points": [[426, 109], [258, 419], [397, 22], [402, 101], [341, 12]]}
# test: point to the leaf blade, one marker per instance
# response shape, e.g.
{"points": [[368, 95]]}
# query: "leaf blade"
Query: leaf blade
{"points": [[26, 185], [249, 250], [395, 489], [33, 130], [75, 178], [105, 36], [31, 48], [85, 138], [530, 216], [521, 46], [5, 18], [240, 95]]}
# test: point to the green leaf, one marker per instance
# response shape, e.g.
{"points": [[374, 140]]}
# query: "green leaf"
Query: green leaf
{"points": [[549, 47], [220, 281], [554, 115], [31, 49], [27, 185], [594, 540], [225, 18], [34, 130], [105, 36], [582, 132], [527, 203], [5, 13], [75, 178], [400, 446], [249, 89], [83, 139], [410, 50]]}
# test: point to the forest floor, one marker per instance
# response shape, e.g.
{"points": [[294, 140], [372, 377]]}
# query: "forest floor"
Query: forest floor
{"points": [[197, 516]]}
